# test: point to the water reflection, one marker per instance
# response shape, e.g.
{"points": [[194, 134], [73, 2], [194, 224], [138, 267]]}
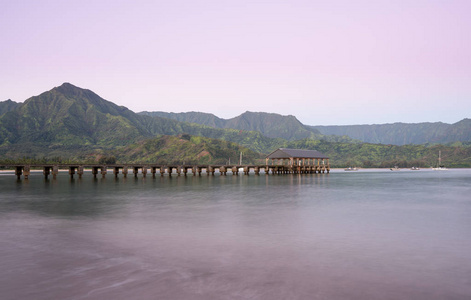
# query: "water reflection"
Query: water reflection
{"points": [[368, 235]]}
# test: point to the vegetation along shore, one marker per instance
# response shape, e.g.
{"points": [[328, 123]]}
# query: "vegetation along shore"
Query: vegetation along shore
{"points": [[69, 124]]}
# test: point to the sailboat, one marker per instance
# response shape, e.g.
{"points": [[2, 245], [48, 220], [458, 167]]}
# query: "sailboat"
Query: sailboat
{"points": [[440, 166]]}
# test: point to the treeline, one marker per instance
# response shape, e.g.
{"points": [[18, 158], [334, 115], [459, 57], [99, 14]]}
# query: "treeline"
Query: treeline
{"points": [[190, 149], [181, 149], [457, 155]]}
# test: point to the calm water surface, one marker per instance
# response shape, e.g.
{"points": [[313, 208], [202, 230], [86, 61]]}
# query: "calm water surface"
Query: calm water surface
{"points": [[348, 235]]}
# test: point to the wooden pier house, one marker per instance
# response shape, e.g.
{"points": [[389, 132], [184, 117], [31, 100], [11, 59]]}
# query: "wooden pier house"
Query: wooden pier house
{"points": [[298, 161], [280, 161]]}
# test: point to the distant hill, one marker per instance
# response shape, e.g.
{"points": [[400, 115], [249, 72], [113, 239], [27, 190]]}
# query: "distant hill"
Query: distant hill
{"points": [[8, 105], [269, 124], [403, 133], [368, 155], [190, 117]]}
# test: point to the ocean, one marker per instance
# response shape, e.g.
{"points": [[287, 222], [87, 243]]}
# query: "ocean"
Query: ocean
{"points": [[370, 234]]}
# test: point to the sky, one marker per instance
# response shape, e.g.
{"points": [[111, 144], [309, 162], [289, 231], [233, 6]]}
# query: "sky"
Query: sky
{"points": [[336, 62]]}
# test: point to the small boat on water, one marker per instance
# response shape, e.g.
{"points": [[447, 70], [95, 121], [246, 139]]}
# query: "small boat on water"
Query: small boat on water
{"points": [[396, 168], [440, 167], [415, 168], [351, 169]]}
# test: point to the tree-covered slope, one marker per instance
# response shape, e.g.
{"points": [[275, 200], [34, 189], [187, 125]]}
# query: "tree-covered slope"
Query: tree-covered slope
{"points": [[403, 134], [186, 149], [189, 117], [8, 105], [272, 125], [68, 115], [74, 123], [379, 155], [269, 124]]}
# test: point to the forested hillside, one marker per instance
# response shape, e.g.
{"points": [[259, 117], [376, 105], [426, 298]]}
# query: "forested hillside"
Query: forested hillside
{"points": [[403, 134], [269, 124], [6, 106], [386, 156], [70, 123]]}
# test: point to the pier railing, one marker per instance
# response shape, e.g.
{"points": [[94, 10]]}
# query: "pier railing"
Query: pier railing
{"points": [[169, 170]]}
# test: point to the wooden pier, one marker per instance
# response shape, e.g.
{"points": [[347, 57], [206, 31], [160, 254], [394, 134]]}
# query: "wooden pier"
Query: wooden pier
{"points": [[161, 170], [283, 161]]}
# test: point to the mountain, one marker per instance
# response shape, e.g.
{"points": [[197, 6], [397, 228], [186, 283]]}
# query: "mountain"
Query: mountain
{"points": [[368, 155], [69, 116], [8, 105], [70, 123], [269, 124], [190, 117], [403, 133]]}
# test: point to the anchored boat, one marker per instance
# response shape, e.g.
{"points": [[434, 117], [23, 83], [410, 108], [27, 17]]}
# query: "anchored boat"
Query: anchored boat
{"points": [[440, 166]]}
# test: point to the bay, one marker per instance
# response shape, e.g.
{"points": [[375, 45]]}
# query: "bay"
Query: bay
{"points": [[371, 234]]}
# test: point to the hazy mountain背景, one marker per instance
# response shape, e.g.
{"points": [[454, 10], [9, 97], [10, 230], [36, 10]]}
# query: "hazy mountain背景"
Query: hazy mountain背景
{"points": [[72, 123], [290, 128], [269, 124], [404, 133]]}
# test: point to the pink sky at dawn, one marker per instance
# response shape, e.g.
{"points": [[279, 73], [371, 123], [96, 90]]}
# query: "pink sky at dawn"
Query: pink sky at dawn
{"points": [[326, 62]]}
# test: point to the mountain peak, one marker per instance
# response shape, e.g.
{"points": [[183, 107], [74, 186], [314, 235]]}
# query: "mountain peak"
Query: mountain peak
{"points": [[67, 84], [67, 87], [8, 105]]}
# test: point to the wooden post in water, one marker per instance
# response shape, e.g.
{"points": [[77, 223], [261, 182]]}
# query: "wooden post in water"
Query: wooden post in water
{"points": [[256, 170], [246, 170], [94, 171], [18, 171], [135, 171], [103, 171], [144, 172], [26, 171], [55, 171], [46, 171], [80, 171], [125, 171], [115, 172], [153, 170], [71, 172]]}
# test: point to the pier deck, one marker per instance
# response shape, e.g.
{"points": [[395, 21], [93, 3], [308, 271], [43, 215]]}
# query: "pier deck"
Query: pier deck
{"points": [[154, 169]]}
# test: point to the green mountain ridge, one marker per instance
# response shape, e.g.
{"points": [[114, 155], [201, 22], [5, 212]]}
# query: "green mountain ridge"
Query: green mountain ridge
{"points": [[8, 105], [201, 118], [290, 128], [74, 124], [269, 124], [404, 133], [68, 115]]}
